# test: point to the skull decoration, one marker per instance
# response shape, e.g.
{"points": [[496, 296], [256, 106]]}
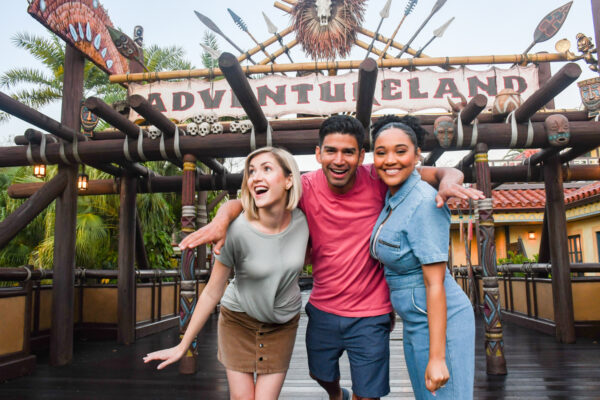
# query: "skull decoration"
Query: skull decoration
{"points": [[506, 101], [557, 129], [204, 129], [211, 118], [443, 129], [234, 126], [323, 11], [154, 132], [216, 128], [198, 118], [245, 126], [192, 128]]}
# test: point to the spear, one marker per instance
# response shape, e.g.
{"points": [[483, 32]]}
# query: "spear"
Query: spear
{"points": [[438, 33], [273, 31], [213, 27], [242, 25], [549, 25], [384, 13], [436, 7], [212, 52], [409, 7]]}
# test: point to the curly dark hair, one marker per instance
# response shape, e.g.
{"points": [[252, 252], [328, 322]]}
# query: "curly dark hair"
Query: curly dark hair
{"points": [[409, 124]]}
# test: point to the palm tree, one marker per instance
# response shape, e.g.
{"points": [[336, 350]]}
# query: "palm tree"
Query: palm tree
{"points": [[97, 216]]}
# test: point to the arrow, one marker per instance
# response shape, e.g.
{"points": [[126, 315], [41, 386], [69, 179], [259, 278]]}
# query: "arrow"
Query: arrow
{"points": [[213, 27], [438, 33], [242, 25], [273, 31], [384, 13], [435, 9], [409, 7], [212, 52]]}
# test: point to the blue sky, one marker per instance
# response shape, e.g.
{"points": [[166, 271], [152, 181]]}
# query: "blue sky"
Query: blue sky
{"points": [[481, 27]]}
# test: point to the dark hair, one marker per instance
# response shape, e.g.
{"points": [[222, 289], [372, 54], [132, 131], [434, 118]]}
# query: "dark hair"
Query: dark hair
{"points": [[409, 124], [345, 125]]}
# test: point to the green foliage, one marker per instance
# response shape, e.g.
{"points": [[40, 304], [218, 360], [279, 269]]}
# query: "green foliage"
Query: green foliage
{"points": [[517, 259], [210, 39]]}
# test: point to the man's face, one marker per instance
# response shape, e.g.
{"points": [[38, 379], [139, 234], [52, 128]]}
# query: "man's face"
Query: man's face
{"points": [[340, 156]]}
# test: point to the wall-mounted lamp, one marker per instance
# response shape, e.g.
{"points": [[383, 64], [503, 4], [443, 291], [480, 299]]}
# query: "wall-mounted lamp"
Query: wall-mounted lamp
{"points": [[531, 235], [39, 170]]}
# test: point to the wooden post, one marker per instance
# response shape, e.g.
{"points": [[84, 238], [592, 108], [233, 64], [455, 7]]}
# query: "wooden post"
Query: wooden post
{"points": [[61, 332], [126, 281], [559, 251], [187, 298], [202, 220], [494, 341], [544, 75], [367, 80], [140, 249]]}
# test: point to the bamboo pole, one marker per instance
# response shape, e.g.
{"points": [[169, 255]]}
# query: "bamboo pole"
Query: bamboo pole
{"points": [[279, 52], [373, 50], [266, 43], [344, 65]]}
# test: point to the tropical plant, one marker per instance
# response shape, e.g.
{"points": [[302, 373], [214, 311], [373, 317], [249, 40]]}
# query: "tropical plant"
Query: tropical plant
{"points": [[97, 216]]}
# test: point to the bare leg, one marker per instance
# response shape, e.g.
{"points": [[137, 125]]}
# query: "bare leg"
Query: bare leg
{"points": [[268, 386], [333, 389], [241, 385]]}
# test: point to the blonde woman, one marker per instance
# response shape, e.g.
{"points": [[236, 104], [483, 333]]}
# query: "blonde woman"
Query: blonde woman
{"points": [[266, 247]]}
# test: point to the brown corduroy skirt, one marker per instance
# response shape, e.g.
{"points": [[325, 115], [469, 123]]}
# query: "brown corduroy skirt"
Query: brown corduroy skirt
{"points": [[248, 345]]}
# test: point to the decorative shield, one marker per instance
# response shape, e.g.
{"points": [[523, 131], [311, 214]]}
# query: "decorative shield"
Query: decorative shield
{"points": [[589, 90]]}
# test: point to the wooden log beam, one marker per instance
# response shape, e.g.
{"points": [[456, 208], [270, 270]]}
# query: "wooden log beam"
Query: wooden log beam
{"points": [[473, 108], [559, 82], [38, 201], [496, 135], [241, 88], [216, 201], [525, 173], [110, 115], [315, 123], [126, 293], [63, 306], [559, 251], [160, 184], [367, 79], [544, 75], [575, 152]]}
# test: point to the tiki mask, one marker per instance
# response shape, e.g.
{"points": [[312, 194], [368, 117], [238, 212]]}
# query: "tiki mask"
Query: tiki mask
{"points": [[557, 128], [506, 101], [443, 129], [589, 90], [323, 11]]}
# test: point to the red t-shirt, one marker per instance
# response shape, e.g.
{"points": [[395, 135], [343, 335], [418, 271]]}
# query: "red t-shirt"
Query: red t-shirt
{"points": [[346, 280]]}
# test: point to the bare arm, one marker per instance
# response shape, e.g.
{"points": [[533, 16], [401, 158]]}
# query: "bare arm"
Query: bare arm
{"points": [[216, 230], [448, 181], [436, 374], [207, 301]]}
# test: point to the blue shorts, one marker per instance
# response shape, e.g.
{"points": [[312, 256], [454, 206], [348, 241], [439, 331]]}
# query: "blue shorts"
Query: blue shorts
{"points": [[367, 342]]}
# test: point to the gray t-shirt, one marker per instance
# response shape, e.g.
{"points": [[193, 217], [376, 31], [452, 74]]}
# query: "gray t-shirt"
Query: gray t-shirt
{"points": [[266, 268]]}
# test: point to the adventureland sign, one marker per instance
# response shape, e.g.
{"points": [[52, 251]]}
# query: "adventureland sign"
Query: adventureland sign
{"points": [[323, 95]]}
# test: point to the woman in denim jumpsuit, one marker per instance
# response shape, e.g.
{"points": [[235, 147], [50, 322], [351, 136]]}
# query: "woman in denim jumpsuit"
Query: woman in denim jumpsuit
{"points": [[411, 240]]}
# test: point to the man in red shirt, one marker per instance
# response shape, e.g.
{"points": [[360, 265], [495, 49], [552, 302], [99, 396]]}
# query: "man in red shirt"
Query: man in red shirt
{"points": [[349, 307]]}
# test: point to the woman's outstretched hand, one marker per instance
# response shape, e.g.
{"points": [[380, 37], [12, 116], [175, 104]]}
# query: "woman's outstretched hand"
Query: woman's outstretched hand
{"points": [[436, 375], [446, 191], [214, 233], [169, 356]]}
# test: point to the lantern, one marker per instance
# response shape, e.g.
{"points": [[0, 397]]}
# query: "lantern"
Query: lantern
{"points": [[39, 170], [82, 180]]}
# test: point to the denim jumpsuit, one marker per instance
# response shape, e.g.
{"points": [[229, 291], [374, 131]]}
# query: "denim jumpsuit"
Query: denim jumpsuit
{"points": [[412, 231]]}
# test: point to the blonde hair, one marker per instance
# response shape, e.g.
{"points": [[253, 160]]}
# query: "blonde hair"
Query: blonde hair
{"points": [[288, 165]]}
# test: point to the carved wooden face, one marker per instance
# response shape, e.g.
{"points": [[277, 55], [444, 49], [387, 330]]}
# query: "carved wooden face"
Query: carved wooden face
{"points": [[557, 129], [443, 129]]}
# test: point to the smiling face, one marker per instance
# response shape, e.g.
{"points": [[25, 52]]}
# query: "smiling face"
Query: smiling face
{"points": [[340, 156], [395, 157], [267, 182]]}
